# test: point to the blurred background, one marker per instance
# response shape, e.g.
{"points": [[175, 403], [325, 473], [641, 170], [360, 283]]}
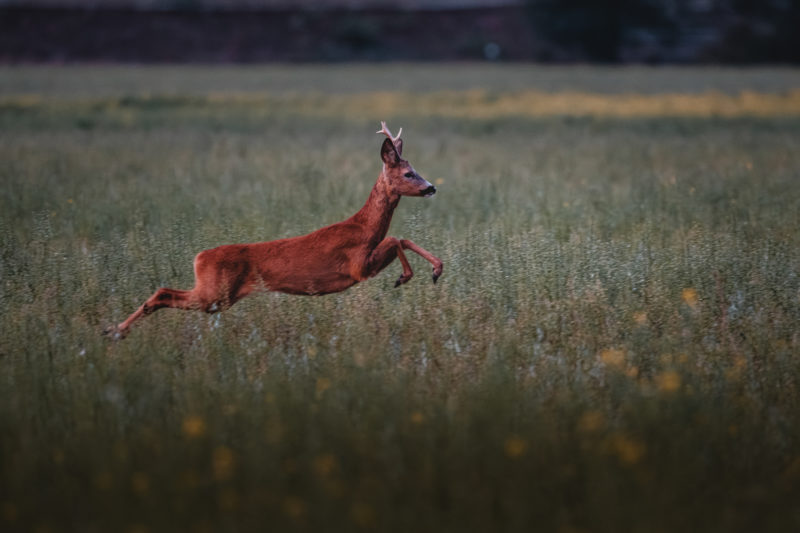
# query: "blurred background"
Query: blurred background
{"points": [[244, 31], [613, 346]]}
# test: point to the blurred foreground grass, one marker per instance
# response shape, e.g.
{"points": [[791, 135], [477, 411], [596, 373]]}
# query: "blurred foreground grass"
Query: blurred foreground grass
{"points": [[613, 345]]}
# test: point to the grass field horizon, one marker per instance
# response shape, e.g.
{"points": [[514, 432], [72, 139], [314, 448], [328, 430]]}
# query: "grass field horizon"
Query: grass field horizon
{"points": [[613, 345]]}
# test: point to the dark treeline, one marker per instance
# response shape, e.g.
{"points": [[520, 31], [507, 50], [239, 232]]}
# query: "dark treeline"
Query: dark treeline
{"points": [[738, 31], [607, 31]]}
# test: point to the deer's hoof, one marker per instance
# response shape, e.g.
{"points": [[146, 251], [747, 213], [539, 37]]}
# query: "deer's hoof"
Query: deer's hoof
{"points": [[113, 333], [402, 279], [436, 273]]}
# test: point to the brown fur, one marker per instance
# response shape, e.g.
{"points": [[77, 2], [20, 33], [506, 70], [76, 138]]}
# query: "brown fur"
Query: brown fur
{"points": [[328, 260]]}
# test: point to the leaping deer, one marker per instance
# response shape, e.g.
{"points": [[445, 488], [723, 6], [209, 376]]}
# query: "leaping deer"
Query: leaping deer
{"points": [[328, 260]]}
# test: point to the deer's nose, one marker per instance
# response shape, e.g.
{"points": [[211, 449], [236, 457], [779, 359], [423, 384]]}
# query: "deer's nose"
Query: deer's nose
{"points": [[430, 191]]}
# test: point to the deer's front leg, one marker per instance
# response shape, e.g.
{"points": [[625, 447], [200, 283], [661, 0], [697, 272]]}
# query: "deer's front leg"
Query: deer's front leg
{"points": [[438, 266], [383, 254]]}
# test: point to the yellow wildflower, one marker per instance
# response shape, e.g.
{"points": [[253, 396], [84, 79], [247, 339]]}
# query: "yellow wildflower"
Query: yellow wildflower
{"points": [[613, 357], [417, 417], [668, 381], [591, 421], [689, 297], [628, 450], [140, 483], [515, 447], [294, 507], [324, 464], [222, 463], [323, 384], [194, 426]]}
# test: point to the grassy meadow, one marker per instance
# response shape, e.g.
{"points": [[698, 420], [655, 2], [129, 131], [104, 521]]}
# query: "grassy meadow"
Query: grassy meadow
{"points": [[614, 344]]}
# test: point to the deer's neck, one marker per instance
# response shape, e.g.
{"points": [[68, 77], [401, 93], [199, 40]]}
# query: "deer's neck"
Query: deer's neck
{"points": [[376, 214]]}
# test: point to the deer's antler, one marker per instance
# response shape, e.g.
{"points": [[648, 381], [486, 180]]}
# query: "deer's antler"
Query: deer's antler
{"points": [[388, 133]]}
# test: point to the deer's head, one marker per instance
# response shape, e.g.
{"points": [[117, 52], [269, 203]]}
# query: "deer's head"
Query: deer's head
{"points": [[400, 176]]}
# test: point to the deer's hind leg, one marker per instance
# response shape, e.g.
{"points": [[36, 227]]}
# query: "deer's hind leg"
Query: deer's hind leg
{"points": [[163, 297], [218, 285]]}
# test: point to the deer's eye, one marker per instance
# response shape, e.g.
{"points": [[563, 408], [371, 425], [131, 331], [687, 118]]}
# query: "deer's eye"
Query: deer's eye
{"points": [[409, 174]]}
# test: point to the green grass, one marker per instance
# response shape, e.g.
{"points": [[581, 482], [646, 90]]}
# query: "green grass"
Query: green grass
{"points": [[613, 345], [358, 78]]}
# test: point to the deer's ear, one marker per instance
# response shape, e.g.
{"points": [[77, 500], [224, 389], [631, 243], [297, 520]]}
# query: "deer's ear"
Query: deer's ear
{"points": [[389, 153], [398, 144]]}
